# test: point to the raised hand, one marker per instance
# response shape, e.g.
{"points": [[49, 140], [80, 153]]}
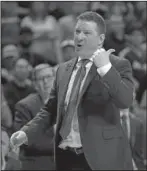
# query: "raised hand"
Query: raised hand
{"points": [[101, 57]]}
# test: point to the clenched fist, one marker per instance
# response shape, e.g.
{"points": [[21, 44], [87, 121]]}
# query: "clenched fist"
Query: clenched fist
{"points": [[101, 57], [18, 138]]}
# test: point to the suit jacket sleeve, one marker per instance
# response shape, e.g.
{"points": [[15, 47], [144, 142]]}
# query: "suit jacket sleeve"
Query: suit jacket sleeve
{"points": [[119, 83], [22, 116], [138, 153], [45, 118]]}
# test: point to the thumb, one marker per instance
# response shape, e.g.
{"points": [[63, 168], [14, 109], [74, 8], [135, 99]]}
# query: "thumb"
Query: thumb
{"points": [[110, 51]]}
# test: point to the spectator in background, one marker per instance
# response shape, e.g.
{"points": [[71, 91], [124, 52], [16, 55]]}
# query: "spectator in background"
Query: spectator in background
{"points": [[133, 128], [134, 53], [10, 22], [99, 7], [116, 33], [10, 54], [142, 90], [38, 156], [25, 47], [67, 23], [46, 32], [19, 87], [116, 36], [68, 50], [25, 42], [55, 9]]}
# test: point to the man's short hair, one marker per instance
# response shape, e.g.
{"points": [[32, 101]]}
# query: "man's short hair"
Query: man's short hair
{"points": [[93, 16], [39, 68]]}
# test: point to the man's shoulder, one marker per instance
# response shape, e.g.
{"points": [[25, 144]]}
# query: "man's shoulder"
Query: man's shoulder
{"points": [[117, 61], [67, 63]]}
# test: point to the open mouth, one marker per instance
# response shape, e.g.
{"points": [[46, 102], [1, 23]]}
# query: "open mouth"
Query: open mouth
{"points": [[79, 45]]}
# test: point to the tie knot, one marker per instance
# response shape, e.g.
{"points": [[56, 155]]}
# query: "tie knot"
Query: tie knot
{"points": [[124, 117], [84, 62]]}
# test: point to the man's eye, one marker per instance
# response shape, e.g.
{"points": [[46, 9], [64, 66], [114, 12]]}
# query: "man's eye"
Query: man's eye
{"points": [[77, 31], [86, 33]]}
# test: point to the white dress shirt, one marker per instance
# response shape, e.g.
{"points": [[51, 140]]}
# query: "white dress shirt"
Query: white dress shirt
{"points": [[73, 139]]}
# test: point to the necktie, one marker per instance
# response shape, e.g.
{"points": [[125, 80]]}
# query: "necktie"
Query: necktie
{"points": [[72, 105], [124, 124]]}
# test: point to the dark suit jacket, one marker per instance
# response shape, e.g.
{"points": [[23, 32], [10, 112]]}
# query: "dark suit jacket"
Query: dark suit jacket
{"points": [[137, 141], [103, 141], [26, 110]]}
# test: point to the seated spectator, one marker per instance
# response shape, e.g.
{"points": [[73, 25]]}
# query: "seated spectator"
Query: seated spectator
{"points": [[68, 50], [38, 156], [10, 54], [19, 87], [45, 30]]}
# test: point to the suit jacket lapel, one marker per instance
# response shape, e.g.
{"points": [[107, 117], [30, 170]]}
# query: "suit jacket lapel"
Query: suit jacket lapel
{"points": [[92, 73], [65, 80]]}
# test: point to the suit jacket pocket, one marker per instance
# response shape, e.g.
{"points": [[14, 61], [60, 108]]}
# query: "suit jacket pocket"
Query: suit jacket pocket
{"points": [[111, 133]]}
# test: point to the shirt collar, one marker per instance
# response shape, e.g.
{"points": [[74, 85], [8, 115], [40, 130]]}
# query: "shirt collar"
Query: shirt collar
{"points": [[87, 65], [91, 59], [124, 114]]}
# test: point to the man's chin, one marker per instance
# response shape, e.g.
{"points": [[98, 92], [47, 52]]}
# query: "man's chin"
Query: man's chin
{"points": [[80, 52]]}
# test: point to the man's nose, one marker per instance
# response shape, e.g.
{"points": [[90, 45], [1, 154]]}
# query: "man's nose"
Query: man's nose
{"points": [[45, 80], [81, 36]]}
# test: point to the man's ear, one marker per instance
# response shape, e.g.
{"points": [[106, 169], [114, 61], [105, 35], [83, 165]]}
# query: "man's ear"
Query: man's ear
{"points": [[102, 39]]}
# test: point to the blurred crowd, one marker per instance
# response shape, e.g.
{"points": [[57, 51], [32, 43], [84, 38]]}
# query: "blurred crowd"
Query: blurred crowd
{"points": [[37, 32]]}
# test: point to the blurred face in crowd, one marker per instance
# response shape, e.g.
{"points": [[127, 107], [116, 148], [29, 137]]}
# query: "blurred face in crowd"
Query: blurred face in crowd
{"points": [[118, 29], [69, 53], [44, 80], [87, 38], [9, 62], [26, 39], [38, 7], [137, 37], [21, 70]]}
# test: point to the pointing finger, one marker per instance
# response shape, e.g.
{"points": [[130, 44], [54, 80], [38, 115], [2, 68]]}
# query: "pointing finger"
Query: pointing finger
{"points": [[110, 51]]}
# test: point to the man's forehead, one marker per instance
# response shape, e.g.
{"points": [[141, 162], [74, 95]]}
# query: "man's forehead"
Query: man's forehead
{"points": [[85, 24]]}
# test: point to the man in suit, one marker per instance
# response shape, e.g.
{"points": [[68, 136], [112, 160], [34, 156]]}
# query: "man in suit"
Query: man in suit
{"points": [[84, 103], [39, 155], [133, 127]]}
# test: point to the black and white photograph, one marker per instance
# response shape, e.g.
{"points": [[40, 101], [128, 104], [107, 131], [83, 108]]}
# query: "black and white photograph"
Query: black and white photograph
{"points": [[73, 85]]}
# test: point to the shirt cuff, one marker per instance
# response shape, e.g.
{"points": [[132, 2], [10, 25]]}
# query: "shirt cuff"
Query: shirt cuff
{"points": [[104, 69]]}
